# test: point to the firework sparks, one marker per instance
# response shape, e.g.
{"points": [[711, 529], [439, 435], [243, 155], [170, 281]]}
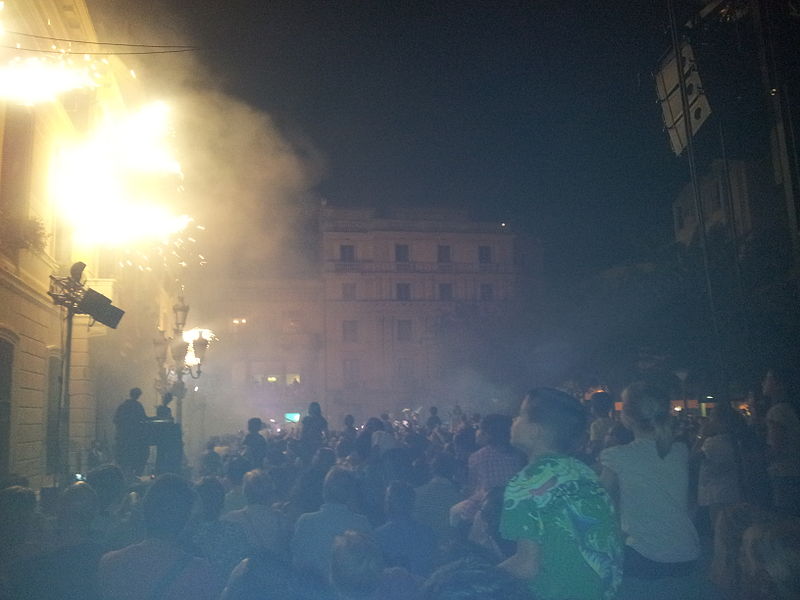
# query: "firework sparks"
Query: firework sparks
{"points": [[190, 337], [32, 81], [114, 187]]}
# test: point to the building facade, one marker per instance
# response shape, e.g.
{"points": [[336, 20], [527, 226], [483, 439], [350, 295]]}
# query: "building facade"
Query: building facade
{"points": [[367, 333], [45, 434]]}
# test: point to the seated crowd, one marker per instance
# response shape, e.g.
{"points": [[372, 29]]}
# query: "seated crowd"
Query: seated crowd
{"points": [[567, 501]]}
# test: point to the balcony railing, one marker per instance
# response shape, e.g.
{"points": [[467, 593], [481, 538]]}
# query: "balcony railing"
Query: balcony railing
{"points": [[334, 266]]}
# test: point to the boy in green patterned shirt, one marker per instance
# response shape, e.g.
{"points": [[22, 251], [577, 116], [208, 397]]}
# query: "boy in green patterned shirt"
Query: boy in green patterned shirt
{"points": [[568, 545]]}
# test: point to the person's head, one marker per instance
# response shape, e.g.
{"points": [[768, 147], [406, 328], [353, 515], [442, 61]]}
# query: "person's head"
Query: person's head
{"points": [[259, 488], [340, 486], [646, 411], [108, 482], [236, 469], [349, 421], [471, 579], [373, 424], [434, 411], [211, 494], [166, 506], [549, 420], [356, 565], [135, 393], [400, 499], [254, 425], [770, 560], [726, 419], [601, 404], [314, 409], [494, 430], [77, 507]]}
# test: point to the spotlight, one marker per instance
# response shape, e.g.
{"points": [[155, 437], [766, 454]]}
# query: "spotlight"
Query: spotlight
{"points": [[97, 306]]}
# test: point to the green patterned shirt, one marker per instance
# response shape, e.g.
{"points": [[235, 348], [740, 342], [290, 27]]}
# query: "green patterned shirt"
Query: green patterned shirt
{"points": [[558, 503]]}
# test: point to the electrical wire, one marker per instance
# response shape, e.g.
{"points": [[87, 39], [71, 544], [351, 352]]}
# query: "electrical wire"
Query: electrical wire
{"points": [[57, 39], [78, 53]]}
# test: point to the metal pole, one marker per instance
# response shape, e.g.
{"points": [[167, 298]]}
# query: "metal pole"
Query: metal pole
{"points": [[698, 205], [65, 402]]}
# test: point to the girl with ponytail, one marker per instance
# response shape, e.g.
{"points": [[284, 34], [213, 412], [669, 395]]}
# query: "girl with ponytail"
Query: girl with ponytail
{"points": [[649, 479]]}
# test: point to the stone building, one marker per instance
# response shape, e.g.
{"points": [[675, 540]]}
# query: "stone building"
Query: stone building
{"points": [[366, 332], [43, 436]]}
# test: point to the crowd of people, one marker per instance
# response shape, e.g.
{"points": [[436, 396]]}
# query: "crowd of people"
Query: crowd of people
{"points": [[569, 500]]}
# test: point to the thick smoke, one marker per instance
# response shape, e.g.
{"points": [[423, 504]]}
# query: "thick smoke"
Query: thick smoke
{"points": [[247, 183]]}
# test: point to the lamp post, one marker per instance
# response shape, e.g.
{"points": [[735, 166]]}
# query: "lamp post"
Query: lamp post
{"points": [[187, 349]]}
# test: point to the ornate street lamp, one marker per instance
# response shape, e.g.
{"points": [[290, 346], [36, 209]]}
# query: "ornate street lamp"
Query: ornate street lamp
{"points": [[181, 310], [187, 349]]}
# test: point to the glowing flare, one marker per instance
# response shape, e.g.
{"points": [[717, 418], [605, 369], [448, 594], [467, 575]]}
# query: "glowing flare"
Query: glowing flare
{"points": [[190, 336], [113, 186], [35, 80]]}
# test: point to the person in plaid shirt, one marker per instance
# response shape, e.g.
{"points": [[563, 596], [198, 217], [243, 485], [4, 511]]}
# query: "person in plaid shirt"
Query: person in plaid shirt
{"points": [[492, 466]]}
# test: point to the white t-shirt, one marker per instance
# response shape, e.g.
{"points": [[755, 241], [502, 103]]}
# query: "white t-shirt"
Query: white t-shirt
{"points": [[654, 498]]}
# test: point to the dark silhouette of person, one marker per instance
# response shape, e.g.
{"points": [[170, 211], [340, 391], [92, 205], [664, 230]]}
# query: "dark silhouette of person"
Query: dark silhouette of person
{"points": [[158, 567], [254, 446], [132, 448], [68, 570], [314, 431], [163, 411]]}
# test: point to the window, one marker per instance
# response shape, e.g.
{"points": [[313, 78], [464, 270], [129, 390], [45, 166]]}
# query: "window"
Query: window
{"points": [[403, 330], [484, 254], [347, 253], [350, 371], [348, 291], [445, 291], [401, 253], [443, 254], [487, 291], [350, 331], [403, 291]]}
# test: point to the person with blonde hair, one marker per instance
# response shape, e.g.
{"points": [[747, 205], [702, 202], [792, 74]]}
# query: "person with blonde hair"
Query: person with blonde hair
{"points": [[770, 560], [649, 479]]}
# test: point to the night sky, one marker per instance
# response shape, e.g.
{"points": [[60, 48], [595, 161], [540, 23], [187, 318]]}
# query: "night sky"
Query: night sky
{"points": [[540, 113]]}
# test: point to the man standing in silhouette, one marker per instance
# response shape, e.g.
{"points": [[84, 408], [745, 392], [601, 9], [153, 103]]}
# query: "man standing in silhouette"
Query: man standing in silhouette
{"points": [[132, 448]]}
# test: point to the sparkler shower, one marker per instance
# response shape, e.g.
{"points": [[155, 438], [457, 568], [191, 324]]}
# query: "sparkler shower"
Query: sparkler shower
{"points": [[116, 186]]}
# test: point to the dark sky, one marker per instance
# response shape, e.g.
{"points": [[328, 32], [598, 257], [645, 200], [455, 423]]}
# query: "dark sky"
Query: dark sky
{"points": [[542, 113]]}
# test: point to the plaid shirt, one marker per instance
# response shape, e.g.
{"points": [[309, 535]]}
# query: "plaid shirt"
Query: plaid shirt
{"points": [[491, 467]]}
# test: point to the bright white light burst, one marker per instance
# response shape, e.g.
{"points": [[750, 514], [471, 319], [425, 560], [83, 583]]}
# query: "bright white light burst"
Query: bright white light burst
{"points": [[189, 337], [114, 187], [32, 80]]}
